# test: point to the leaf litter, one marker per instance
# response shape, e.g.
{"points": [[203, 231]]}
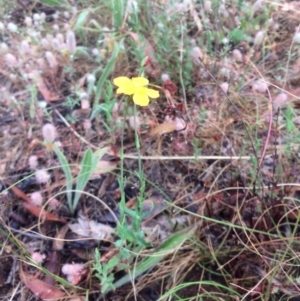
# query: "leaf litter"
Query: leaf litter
{"points": [[222, 225]]}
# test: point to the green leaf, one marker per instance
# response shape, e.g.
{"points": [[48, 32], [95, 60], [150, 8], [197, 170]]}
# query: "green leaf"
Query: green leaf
{"points": [[99, 153], [113, 262], [87, 167], [54, 2], [237, 35], [164, 249], [67, 171], [79, 24], [207, 283], [118, 10], [289, 114], [103, 78]]}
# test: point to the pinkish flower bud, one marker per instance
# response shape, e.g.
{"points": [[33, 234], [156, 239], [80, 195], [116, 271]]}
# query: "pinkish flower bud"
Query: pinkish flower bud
{"points": [[237, 55], [36, 17], [260, 86], [12, 27], [25, 47], [53, 203], [55, 43], [49, 132], [45, 43], [259, 38], [165, 77], [91, 78], [115, 108], [85, 104], [56, 15], [3, 48], [224, 86], [33, 162], [11, 60], [42, 176], [280, 100], [12, 77], [179, 124], [207, 6], [28, 21], [55, 27], [297, 38], [74, 272], [60, 38], [71, 42], [135, 122], [37, 198], [257, 5], [196, 54], [38, 257], [66, 14], [87, 125], [51, 59], [41, 63], [95, 51]]}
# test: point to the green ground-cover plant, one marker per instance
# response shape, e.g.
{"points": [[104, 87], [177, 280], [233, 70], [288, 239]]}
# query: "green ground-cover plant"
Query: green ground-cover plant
{"points": [[87, 166]]}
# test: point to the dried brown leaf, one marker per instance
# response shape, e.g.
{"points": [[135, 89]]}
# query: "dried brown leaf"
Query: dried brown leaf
{"points": [[53, 266], [164, 128], [58, 242], [43, 214], [18, 192], [104, 167], [40, 288], [91, 229], [43, 89]]}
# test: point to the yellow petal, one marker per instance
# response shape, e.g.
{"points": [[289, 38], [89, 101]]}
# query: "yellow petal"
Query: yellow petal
{"points": [[122, 81], [125, 85], [141, 99], [125, 90], [152, 93], [140, 81]]}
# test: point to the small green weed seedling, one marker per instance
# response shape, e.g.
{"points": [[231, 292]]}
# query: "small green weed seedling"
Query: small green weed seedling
{"points": [[87, 166]]}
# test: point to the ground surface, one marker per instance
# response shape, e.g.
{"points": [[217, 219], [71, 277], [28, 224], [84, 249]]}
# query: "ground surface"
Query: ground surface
{"points": [[193, 197]]}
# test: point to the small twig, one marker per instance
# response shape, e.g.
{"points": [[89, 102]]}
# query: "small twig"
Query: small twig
{"points": [[74, 132], [134, 157]]}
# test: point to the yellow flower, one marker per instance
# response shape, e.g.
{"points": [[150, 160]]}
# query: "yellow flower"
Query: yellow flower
{"points": [[136, 87]]}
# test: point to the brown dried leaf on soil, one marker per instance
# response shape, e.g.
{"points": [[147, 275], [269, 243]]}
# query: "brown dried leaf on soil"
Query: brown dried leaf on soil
{"points": [[43, 89], [53, 261], [43, 214], [36, 211], [91, 229], [40, 288], [164, 128], [53, 266]]}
